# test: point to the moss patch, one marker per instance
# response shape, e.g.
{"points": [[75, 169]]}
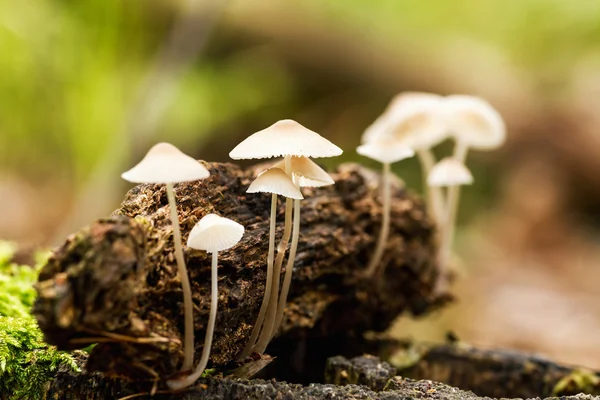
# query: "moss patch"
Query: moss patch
{"points": [[27, 364]]}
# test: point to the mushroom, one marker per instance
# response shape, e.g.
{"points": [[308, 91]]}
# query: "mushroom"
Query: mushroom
{"points": [[386, 150], [306, 173], [211, 234], [475, 124], [285, 138], [416, 120], [166, 164], [277, 182], [451, 173]]}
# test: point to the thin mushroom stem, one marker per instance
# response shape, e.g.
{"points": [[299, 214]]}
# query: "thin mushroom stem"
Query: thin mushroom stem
{"points": [[270, 258], [188, 310], [265, 334], [214, 297], [385, 224], [449, 223], [433, 194], [289, 268]]}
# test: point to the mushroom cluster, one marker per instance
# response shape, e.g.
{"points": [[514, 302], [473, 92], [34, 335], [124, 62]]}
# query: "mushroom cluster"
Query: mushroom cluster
{"points": [[414, 123], [296, 144]]}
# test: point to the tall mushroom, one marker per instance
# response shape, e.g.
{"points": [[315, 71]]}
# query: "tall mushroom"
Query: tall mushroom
{"points": [[276, 182], [416, 120], [211, 234], [386, 150], [306, 173], [474, 124], [451, 173], [285, 138], [166, 164]]}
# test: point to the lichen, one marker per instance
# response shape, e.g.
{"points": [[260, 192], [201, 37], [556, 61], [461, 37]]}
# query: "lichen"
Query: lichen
{"points": [[27, 364], [580, 380]]}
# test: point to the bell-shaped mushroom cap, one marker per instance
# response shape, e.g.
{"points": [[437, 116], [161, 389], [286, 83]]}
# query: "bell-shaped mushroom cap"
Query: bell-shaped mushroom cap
{"points": [[285, 138], [474, 122], [449, 172], [275, 180], [309, 174], [386, 151], [413, 118], [214, 233], [165, 163]]}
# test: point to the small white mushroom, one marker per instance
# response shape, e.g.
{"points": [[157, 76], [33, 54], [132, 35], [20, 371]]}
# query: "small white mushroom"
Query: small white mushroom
{"points": [[415, 120], [277, 182], [475, 124], [306, 173], [211, 234], [166, 164], [449, 172], [387, 151]]}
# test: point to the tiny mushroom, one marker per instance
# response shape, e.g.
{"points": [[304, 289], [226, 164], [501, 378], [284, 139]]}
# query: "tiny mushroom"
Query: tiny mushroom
{"points": [[306, 173], [211, 234], [386, 150], [285, 138], [166, 164], [416, 120], [451, 173], [277, 182], [474, 124]]}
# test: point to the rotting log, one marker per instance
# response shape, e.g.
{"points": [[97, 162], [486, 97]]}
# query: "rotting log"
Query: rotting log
{"points": [[494, 373], [369, 379], [115, 282]]}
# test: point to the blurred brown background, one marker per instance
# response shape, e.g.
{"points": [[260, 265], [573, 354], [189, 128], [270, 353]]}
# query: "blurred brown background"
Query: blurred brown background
{"points": [[87, 87]]}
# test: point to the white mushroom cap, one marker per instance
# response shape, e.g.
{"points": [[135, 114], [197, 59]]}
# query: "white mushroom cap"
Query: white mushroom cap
{"points": [[308, 173], [275, 180], [165, 163], [285, 138], [474, 122], [413, 118], [386, 151], [214, 233], [449, 172]]}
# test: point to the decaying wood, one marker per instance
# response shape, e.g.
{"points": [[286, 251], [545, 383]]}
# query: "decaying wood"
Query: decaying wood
{"points": [[494, 373], [361, 378], [118, 276]]}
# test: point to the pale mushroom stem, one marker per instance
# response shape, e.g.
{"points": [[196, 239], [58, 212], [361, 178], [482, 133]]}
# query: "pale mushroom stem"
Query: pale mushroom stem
{"points": [[188, 310], [214, 297], [289, 268], [270, 258], [265, 334], [385, 224], [449, 222], [433, 194]]}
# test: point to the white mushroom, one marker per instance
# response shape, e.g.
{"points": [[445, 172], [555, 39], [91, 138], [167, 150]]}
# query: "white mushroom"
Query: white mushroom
{"points": [[285, 138], [414, 120], [211, 234], [449, 172], [475, 124], [277, 182], [306, 173], [166, 164], [386, 150]]}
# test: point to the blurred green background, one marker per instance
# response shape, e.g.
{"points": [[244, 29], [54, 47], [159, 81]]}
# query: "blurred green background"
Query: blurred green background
{"points": [[87, 87]]}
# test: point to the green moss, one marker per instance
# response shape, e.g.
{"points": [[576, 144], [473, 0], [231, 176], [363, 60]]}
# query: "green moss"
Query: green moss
{"points": [[27, 364]]}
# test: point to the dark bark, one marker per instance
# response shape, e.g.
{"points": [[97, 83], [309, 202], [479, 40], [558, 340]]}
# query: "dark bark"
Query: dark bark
{"points": [[368, 378], [494, 373], [119, 276]]}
